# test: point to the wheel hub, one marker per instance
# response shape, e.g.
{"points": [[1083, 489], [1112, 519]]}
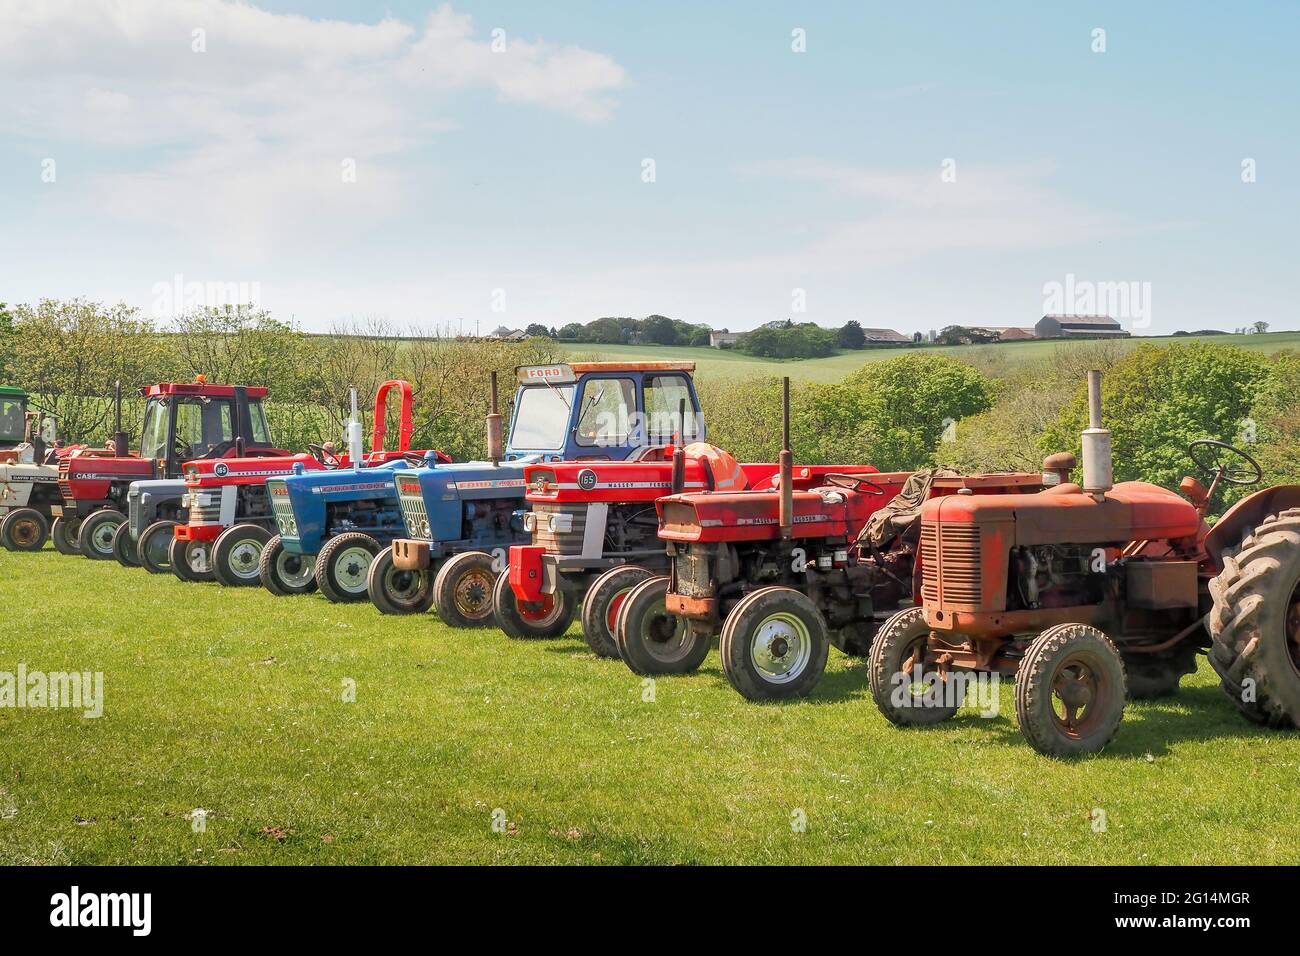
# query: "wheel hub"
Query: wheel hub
{"points": [[295, 569], [473, 593], [781, 648], [1075, 687], [25, 532], [243, 558], [103, 537], [350, 570]]}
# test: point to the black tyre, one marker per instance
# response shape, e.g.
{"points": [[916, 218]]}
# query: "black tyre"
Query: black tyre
{"points": [[396, 591], [652, 641], [1070, 691], [24, 529], [124, 548], [905, 689], [1254, 623], [602, 603], [283, 572], [236, 553], [95, 539], [550, 617], [462, 590], [343, 566], [774, 645], [153, 550], [64, 535], [191, 560]]}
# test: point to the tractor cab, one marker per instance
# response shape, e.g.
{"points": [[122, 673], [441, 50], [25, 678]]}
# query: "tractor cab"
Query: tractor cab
{"points": [[13, 416]]}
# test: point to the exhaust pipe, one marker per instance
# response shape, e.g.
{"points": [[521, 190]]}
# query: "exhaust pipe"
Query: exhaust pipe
{"points": [[356, 431], [679, 453], [120, 449], [786, 465], [1097, 473], [495, 442]]}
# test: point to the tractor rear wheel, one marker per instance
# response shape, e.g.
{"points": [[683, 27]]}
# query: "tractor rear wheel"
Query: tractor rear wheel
{"points": [[549, 617], [774, 645], [343, 565], [600, 607], [64, 535], [124, 546], [95, 539], [395, 590], [1255, 623], [154, 547], [284, 572], [235, 555], [190, 560], [905, 691], [24, 529], [462, 590], [652, 641], [1070, 690]]}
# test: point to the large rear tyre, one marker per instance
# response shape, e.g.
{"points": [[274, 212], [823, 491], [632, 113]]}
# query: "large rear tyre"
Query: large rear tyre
{"points": [[95, 539], [463, 590], [1255, 623], [549, 617], [24, 529], [343, 566], [283, 572], [774, 645], [236, 553], [907, 691], [190, 560], [153, 550], [604, 600], [64, 535], [652, 641], [1070, 690], [124, 546], [397, 591]]}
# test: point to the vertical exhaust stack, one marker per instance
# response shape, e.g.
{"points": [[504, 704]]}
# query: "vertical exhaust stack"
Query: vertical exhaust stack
{"points": [[679, 452], [1097, 474], [120, 450], [356, 436], [495, 443], [786, 465]]}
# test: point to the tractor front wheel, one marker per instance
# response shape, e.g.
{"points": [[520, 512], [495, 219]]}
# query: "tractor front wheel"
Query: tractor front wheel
{"points": [[236, 553], [64, 535], [1255, 623], [604, 600], [774, 645], [124, 546], [96, 536], [191, 560], [652, 641], [283, 572], [397, 591], [906, 693], [463, 590], [1070, 690], [343, 566], [154, 547], [549, 617], [24, 529]]}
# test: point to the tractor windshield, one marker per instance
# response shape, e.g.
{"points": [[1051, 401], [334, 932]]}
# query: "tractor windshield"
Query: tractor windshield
{"points": [[153, 442], [665, 396], [12, 418], [541, 417]]}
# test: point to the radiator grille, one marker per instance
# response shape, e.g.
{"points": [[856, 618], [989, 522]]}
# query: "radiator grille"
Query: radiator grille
{"points": [[693, 573], [204, 514], [413, 510], [560, 542], [950, 563], [133, 513], [65, 486], [281, 508]]}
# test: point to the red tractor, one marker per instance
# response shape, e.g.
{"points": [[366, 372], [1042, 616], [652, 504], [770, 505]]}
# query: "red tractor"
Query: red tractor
{"points": [[1090, 593], [781, 574], [182, 422]]}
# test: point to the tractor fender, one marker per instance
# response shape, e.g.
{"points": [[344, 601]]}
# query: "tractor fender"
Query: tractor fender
{"points": [[1245, 516]]}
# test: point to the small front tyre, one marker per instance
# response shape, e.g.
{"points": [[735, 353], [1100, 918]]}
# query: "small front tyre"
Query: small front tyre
{"points": [[774, 645], [24, 529], [124, 546], [1070, 690], [284, 572], [236, 555], [395, 590], [652, 641], [64, 534], [905, 691], [343, 566], [153, 550], [549, 617], [604, 600], [190, 560], [463, 590], [96, 536]]}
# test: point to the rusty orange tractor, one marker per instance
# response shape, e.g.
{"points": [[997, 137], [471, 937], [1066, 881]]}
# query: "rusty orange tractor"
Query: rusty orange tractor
{"points": [[1090, 593]]}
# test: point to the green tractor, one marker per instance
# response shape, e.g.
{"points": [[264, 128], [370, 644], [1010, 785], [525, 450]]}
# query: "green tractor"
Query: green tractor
{"points": [[13, 416]]}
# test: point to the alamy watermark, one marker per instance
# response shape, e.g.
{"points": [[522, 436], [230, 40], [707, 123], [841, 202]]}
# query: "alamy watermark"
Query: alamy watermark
{"points": [[75, 690], [930, 689], [174, 298], [1125, 301]]}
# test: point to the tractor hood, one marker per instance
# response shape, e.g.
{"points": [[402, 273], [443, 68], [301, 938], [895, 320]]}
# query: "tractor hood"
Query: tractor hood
{"points": [[157, 488], [426, 493], [217, 473]]}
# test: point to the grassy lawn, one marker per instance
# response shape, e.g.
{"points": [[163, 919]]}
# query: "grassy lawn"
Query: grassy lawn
{"points": [[231, 701], [729, 363]]}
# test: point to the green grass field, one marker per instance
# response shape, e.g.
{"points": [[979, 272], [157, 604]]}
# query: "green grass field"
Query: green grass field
{"points": [[232, 701], [729, 363]]}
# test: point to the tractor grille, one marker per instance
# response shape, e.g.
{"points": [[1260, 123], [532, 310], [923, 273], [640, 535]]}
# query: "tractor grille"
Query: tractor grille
{"points": [[201, 514], [65, 486], [547, 533], [950, 564], [414, 513], [693, 570], [133, 513], [281, 508]]}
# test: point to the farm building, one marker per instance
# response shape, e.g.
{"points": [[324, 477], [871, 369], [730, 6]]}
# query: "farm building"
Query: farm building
{"points": [[1078, 327], [723, 340], [1007, 333], [885, 337]]}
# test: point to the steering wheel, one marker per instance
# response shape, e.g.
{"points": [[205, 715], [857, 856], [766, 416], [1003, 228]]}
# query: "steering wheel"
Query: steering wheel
{"points": [[219, 451], [412, 459], [859, 483], [328, 459], [1211, 462]]}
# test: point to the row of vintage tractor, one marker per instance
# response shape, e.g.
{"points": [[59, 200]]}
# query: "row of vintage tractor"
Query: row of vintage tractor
{"points": [[603, 498]]}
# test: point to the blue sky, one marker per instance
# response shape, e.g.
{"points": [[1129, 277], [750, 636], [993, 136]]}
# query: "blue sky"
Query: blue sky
{"points": [[503, 188]]}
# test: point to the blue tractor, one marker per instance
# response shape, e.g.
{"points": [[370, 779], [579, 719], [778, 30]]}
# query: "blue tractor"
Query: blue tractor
{"points": [[461, 519], [333, 522]]}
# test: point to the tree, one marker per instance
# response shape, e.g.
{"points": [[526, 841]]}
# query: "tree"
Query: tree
{"points": [[1259, 327], [571, 332], [789, 341], [963, 335], [538, 330], [659, 330], [851, 335]]}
